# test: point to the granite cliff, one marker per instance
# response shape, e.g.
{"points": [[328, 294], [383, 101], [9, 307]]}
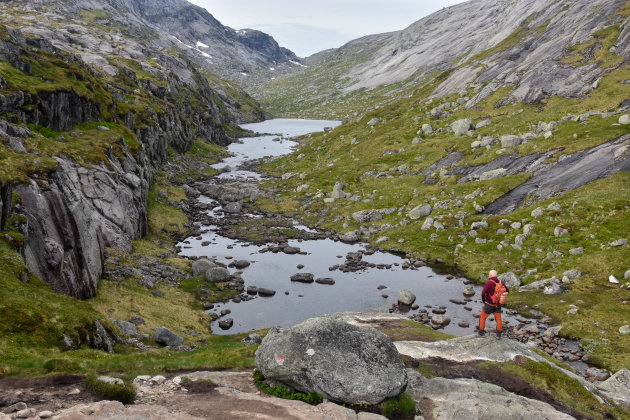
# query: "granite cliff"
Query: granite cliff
{"points": [[90, 108]]}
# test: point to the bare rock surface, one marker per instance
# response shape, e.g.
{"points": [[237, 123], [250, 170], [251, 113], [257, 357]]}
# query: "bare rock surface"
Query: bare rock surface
{"points": [[473, 399], [473, 348]]}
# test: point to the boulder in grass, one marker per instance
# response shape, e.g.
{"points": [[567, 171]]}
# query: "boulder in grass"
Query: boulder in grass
{"points": [[461, 127], [420, 211], [314, 356], [617, 387], [202, 265], [510, 279], [164, 336], [217, 275]]}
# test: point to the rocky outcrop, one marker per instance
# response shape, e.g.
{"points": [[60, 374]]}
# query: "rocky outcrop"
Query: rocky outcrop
{"points": [[79, 209], [5, 204], [617, 387], [314, 357], [471, 399], [79, 212], [472, 348], [572, 172]]}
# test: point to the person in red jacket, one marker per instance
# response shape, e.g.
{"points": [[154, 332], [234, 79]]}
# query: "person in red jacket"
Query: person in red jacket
{"points": [[488, 306]]}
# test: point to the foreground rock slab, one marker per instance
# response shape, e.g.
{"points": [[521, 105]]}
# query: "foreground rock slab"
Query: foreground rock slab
{"points": [[114, 409], [473, 399], [473, 348], [314, 356]]}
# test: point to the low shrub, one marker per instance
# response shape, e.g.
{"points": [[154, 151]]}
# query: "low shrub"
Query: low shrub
{"points": [[399, 407], [126, 394], [312, 398], [61, 365]]}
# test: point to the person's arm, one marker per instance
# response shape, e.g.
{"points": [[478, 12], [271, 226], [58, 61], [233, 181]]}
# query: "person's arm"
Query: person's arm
{"points": [[488, 290]]}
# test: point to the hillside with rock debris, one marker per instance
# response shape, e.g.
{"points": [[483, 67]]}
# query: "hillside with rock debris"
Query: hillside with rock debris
{"points": [[506, 147], [532, 49]]}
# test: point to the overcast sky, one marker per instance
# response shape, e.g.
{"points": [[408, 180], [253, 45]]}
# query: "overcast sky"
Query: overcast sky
{"points": [[306, 27]]}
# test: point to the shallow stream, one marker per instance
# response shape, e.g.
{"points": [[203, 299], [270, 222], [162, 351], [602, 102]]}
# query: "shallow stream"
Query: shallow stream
{"points": [[353, 291]]}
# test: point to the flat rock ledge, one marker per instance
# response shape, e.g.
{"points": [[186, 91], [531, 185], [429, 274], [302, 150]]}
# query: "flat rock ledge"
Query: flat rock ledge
{"points": [[472, 399], [472, 348]]}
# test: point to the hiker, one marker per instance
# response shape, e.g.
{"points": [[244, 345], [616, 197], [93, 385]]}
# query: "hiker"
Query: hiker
{"points": [[493, 295]]}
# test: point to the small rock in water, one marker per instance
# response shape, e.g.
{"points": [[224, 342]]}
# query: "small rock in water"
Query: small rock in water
{"points": [[405, 297], [464, 324], [440, 321], [457, 301], [267, 292], [381, 287], [290, 250], [325, 280], [240, 264], [438, 311], [303, 277], [226, 324]]}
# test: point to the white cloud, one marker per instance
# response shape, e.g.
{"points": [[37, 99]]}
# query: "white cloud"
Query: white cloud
{"points": [[307, 27]]}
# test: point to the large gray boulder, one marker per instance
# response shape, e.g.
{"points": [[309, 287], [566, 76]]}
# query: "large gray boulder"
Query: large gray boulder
{"points": [[217, 274], [342, 362], [337, 191], [202, 265], [126, 328], [420, 211], [164, 336], [461, 127], [617, 387], [510, 140], [510, 279]]}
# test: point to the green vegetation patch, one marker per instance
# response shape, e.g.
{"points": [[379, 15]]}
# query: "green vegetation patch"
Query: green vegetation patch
{"points": [[126, 394], [312, 398], [568, 391]]}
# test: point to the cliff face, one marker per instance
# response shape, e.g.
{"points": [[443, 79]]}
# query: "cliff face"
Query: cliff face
{"points": [[97, 131]]}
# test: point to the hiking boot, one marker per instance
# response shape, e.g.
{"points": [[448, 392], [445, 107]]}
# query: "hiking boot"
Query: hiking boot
{"points": [[499, 334], [481, 333]]}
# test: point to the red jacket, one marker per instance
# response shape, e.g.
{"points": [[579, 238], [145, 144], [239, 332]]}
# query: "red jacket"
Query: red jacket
{"points": [[488, 290]]}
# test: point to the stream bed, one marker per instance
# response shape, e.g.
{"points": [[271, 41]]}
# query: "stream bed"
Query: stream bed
{"points": [[438, 289]]}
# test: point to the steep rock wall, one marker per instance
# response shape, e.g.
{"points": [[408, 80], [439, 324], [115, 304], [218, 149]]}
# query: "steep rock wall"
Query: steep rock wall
{"points": [[77, 213], [78, 210]]}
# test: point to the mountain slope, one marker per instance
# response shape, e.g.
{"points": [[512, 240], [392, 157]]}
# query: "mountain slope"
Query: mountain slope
{"points": [[530, 46], [515, 157], [239, 55]]}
